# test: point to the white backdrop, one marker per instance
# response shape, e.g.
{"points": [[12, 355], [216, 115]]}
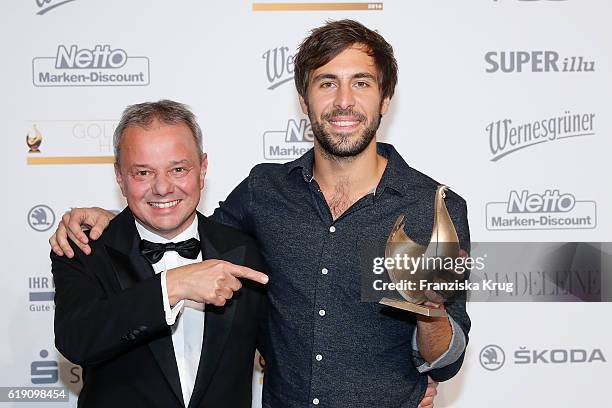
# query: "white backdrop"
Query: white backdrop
{"points": [[464, 66]]}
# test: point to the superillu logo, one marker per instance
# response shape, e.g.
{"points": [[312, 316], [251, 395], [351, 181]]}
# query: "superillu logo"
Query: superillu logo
{"points": [[535, 61]]}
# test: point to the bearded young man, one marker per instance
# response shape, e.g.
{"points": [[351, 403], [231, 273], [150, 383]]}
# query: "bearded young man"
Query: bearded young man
{"points": [[315, 217]]}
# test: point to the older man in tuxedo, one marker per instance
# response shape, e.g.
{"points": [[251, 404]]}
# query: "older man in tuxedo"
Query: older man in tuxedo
{"points": [[158, 315]]}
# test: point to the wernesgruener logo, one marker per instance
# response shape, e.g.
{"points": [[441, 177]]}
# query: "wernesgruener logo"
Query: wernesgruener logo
{"points": [[507, 137], [279, 66], [44, 6], [99, 66]]}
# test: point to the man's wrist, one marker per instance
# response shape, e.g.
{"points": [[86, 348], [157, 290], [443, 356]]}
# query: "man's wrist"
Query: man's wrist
{"points": [[433, 336], [174, 286]]}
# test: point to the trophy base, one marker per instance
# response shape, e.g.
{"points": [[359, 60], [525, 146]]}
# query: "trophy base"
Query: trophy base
{"points": [[411, 307]]}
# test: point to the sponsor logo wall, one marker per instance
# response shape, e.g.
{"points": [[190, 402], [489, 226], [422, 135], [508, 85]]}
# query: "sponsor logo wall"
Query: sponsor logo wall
{"points": [[511, 118]]}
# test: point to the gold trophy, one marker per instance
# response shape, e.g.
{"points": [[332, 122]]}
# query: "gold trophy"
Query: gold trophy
{"points": [[443, 243]]}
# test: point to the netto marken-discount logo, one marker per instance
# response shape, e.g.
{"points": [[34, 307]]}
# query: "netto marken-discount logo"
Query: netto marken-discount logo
{"points": [[99, 66], [541, 211], [505, 137], [288, 144], [535, 61]]}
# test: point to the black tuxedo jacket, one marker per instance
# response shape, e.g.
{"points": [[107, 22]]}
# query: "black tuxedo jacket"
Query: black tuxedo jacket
{"points": [[109, 318]]}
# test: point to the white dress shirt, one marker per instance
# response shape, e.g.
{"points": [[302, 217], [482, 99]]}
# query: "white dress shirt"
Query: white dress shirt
{"points": [[186, 318]]}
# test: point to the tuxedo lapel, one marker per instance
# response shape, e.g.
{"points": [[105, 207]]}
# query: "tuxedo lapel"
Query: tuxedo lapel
{"points": [[122, 243], [218, 323], [130, 267]]}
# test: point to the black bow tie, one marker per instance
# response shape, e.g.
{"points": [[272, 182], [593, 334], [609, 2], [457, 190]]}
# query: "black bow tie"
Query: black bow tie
{"points": [[154, 252]]}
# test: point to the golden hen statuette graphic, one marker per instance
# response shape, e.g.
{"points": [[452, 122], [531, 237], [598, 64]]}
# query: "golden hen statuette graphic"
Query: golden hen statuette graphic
{"points": [[34, 142]]}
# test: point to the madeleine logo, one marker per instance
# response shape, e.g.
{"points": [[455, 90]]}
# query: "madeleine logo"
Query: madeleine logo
{"points": [[44, 6], [301, 6], [288, 144], [550, 210], [99, 66], [506, 137]]}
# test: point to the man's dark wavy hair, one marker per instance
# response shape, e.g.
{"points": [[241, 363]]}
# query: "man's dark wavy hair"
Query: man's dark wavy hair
{"points": [[328, 41]]}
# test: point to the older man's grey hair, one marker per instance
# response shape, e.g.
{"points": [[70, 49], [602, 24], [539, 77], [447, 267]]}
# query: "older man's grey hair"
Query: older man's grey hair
{"points": [[165, 111]]}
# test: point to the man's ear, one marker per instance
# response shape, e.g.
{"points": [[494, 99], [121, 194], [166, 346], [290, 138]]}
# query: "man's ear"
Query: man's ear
{"points": [[303, 105], [384, 106], [203, 168], [119, 178]]}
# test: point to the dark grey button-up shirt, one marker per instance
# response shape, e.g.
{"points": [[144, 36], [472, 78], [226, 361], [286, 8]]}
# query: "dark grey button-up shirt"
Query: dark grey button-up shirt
{"points": [[326, 347]]}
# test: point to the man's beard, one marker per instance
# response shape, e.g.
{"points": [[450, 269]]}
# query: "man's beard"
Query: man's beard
{"points": [[342, 146]]}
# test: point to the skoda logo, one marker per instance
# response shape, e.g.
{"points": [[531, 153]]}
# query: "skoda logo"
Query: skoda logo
{"points": [[41, 218], [492, 357]]}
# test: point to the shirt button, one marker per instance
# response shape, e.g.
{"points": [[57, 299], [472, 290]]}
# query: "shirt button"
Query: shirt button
{"points": [[315, 401], [321, 312], [332, 229], [319, 357], [324, 271]]}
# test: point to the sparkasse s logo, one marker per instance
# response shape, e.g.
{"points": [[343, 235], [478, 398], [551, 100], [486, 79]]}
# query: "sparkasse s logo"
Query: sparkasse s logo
{"points": [[549, 210], [99, 66], [44, 371]]}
